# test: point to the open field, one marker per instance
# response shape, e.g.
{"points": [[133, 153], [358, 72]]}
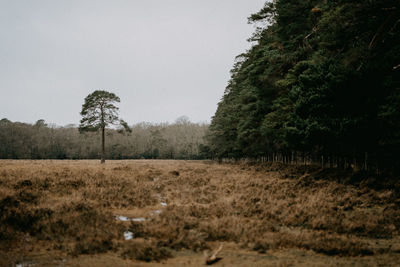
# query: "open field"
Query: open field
{"points": [[80, 213]]}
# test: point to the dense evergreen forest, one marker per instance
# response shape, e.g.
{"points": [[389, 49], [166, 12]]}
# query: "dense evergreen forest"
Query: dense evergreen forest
{"points": [[321, 83], [180, 140]]}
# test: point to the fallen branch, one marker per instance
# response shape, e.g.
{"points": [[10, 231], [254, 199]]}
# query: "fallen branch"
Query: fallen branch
{"points": [[214, 257]]}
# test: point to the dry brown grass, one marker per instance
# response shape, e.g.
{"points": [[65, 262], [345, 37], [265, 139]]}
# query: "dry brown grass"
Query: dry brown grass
{"points": [[68, 209]]}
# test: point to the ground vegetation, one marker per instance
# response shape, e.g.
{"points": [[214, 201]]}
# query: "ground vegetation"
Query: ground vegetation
{"points": [[171, 212]]}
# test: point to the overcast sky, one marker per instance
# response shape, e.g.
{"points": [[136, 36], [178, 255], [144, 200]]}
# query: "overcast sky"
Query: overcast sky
{"points": [[163, 58]]}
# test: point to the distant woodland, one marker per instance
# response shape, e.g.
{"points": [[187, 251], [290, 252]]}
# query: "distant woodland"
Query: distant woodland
{"points": [[320, 84], [180, 140]]}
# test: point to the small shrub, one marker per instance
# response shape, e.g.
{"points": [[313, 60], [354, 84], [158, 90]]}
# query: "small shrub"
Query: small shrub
{"points": [[93, 246], [145, 252]]}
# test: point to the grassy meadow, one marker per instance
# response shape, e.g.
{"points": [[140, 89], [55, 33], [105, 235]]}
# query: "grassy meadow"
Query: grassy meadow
{"points": [[169, 213]]}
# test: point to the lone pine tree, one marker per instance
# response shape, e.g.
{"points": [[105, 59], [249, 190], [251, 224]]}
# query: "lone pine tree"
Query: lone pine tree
{"points": [[98, 112]]}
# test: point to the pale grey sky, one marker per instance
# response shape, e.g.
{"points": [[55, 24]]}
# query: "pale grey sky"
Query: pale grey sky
{"points": [[163, 58]]}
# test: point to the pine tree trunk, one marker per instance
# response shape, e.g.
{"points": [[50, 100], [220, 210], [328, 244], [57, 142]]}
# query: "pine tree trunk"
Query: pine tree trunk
{"points": [[103, 160]]}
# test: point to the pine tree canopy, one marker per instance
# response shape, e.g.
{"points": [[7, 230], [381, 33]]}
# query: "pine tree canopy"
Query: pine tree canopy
{"points": [[322, 78], [99, 111]]}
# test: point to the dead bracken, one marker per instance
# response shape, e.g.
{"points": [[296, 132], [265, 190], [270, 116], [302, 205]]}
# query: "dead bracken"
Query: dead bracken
{"points": [[75, 208]]}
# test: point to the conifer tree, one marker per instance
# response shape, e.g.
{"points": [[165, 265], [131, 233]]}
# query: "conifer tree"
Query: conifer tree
{"points": [[98, 112]]}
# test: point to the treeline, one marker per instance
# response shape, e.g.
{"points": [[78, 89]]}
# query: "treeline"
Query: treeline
{"points": [[180, 140], [320, 84]]}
